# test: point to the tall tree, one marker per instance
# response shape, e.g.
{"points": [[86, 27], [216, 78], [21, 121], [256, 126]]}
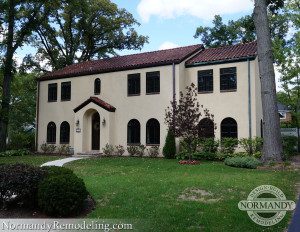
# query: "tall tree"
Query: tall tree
{"points": [[80, 30], [18, 19], [272, 146]]}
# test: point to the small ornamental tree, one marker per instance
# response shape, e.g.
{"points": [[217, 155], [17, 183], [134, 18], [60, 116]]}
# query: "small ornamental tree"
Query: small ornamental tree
{"points": [[169, 149], [183, 116]]}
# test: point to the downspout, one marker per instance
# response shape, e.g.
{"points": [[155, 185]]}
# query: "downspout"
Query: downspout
{"points": [[249, 100], [37, 116], [174, 84]]}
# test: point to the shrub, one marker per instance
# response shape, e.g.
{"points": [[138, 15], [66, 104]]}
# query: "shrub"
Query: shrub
{"points": [[141, 150], [21, 180], [64, 149], [132, 150], [119, 150], [21, 140], [169, 150], [228, 145], [56, 171], [20, 152], [108, 150], [289, 144], [62, 195], [200, 155], [48, 148], [153, 151], [252, 145], [187, 149], [208, 145], [242, 162]]}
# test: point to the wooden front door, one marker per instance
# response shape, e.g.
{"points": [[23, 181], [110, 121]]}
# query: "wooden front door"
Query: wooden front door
{"points": [[96, 131]]}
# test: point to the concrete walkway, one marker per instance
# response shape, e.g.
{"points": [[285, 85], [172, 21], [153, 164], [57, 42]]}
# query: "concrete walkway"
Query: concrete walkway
{"points": [[61, 162]]}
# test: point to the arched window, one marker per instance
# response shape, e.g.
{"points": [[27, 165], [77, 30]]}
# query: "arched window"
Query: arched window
{"points": [[97, 86], [133, 131], [51, 132], [229, 128], [206, 128], [65, 132], [152, 132]]}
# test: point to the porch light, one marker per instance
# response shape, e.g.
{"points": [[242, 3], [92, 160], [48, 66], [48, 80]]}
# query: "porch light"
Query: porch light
{"points": [[77, 123], [103, 122]]}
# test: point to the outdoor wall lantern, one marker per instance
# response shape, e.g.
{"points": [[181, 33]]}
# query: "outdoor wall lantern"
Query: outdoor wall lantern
{"points": [[103, 122], [77, 123]]}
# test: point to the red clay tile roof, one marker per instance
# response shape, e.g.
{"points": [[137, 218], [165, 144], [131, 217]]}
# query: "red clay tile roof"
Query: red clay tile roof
{"points": [[120, 63], [98, 102], [226, 53]]}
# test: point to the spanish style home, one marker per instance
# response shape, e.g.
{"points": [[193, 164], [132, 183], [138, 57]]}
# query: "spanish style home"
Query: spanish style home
{"points": [[122, 100]]}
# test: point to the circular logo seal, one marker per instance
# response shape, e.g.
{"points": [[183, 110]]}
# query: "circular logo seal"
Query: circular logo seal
{"points": [[266, 205]]}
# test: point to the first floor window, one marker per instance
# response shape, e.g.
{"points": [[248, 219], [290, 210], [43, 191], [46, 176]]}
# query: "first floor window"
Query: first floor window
{"points": [[52, 92], [228, 78], [206, 128], [51, 132], [152, 82], [152, 132], [66, 91], [229, 128], [133, 132], [205, 81], [65, 132], [134, 84]]}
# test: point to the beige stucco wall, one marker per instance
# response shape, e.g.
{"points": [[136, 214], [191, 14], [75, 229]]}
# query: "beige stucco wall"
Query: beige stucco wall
{"points": [[231, 104], [145, 107]]}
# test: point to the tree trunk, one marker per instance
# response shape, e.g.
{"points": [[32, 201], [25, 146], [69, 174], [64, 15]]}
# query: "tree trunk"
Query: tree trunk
{"points": [[272, 146], [8, 67]]}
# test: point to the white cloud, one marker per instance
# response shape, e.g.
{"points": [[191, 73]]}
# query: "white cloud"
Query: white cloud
{"points": [[203, 9], [167, 45]]}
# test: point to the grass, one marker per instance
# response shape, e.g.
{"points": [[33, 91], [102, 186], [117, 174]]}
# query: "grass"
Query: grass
{"points": [[149, 189], [35, 160]]}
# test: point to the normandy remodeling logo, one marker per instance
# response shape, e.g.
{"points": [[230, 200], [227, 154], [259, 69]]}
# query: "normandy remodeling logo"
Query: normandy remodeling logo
{"points": [[266, 205]]}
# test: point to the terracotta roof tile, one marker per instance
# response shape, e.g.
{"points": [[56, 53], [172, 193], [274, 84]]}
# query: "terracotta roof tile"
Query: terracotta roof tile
{"points": [[120, 63], [225, 53], [98, 102]]}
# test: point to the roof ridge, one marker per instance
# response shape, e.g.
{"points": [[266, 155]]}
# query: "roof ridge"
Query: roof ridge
{"points": [[232, 45]]}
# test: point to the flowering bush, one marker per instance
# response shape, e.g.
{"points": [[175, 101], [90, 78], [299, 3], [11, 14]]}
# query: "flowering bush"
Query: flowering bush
{"points": [[108, 150], [119, 150]]}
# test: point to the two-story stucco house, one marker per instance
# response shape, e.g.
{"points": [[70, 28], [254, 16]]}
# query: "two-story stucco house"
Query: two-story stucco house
{"points": [[122, 100]]}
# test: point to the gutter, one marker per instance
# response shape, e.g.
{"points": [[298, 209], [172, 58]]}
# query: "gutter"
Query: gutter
{"points": [[37, 116], [249, 99]]}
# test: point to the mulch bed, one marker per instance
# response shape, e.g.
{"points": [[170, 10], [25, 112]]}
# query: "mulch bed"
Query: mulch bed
{"points": [[21, 212], [189, 162]]}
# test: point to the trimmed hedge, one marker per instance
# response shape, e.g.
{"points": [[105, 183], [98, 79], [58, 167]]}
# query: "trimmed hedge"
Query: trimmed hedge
{"points": [[62, 195], [19, 184], [242, 162], [20, 152], [56, 171]]}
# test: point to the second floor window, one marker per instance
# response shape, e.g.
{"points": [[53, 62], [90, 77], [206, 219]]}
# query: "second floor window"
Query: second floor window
{"points": [[52, 92], [134, 84], [97, 86], [66, 91], [152, 82], [205, 81], [228, 78]]}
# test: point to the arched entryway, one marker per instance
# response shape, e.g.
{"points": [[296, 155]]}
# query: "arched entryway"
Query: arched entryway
{"points": [[95, 131]]}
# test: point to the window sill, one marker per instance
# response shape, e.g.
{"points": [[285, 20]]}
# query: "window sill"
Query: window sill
{"points": [[152, 145], [52, 101], [65, 100], [133, 95], [205, 92], [153, 93], [228, 90], [51, 143], [96, 93]]}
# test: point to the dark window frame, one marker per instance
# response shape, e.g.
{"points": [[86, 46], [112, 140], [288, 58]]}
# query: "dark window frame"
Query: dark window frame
{"points": [[153, 82], [205, 81], [133, 132], [206, 128], [51, 133], [152, 132], [97, 86], [64, 133], [52, 92], [134, 84], [229, 128], [66, 91], [228, 79]]}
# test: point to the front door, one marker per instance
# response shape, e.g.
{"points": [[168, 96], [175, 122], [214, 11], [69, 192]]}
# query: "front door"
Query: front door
{"points": [[96, 131]]}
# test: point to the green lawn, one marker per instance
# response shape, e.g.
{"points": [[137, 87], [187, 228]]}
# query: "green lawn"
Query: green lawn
{"points": [[149, 189], [35, 160]]}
